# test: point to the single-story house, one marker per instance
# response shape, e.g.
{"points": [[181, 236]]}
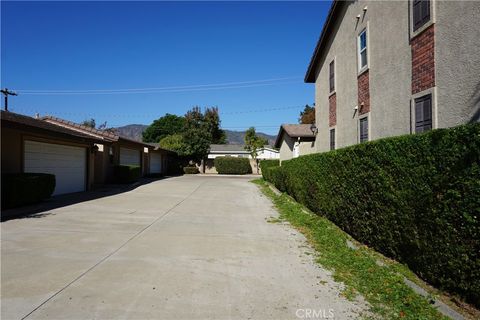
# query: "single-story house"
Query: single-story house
{"points": [[34, 145], [238, 151], [295, 140], [268, 153], [118, 150]]}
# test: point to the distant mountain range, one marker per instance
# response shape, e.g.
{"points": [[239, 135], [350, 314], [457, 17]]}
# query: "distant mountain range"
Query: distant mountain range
{"points": [[134, 131]]}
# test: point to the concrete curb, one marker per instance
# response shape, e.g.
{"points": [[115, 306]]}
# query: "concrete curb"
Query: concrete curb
{"points": [[439, 305]]}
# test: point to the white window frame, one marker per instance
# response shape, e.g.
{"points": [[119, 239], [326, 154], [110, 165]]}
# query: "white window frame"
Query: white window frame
{"points": [[361, 68]]}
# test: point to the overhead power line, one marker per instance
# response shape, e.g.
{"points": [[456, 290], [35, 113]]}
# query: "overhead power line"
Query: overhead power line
{"points": [[143, 115], [201, 87]]}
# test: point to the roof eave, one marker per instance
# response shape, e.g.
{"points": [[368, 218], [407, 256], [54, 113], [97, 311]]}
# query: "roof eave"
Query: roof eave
{"points": [[312, 67], [279, 136]]}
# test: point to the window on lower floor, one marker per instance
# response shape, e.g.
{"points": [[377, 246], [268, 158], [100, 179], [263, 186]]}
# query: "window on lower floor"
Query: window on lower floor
{"points": [[332, 139], [364, 129], [421, 13], [423, 113]]}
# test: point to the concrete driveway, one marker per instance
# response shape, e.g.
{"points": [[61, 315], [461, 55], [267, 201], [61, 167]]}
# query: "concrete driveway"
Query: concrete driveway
{"points": [[190, 247]]}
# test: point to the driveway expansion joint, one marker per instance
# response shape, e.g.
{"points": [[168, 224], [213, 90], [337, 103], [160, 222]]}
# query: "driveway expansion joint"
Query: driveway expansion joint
{"points": [[113, 252]]}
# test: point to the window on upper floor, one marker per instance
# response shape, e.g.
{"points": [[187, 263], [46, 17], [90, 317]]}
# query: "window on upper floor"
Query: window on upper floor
{"points": [[364, 129], [420, 12], [332, 76], [332, 139], [423, 113], [362, 51]]}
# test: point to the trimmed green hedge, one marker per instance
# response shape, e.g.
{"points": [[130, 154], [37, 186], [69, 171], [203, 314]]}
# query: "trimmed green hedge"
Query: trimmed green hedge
{"points": [[127, 174], [190, 170], [264, 164], [232, 165], [415, 198], [20, 189]]}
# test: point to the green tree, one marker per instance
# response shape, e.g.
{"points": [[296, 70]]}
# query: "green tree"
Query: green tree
{"points": [[307, 116], [253, 142], [175, 143], [169, 124], [212, 120], [201, 129], [196, 134]]}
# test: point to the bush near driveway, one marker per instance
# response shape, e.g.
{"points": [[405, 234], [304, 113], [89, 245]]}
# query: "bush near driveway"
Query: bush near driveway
{"points": [[127, 174], [232, 165], [26, 188], [415, 198], [190, 170]]}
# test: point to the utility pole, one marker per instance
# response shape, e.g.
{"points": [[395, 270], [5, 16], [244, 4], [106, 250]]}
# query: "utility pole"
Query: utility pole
{"points": [[7, 93]]}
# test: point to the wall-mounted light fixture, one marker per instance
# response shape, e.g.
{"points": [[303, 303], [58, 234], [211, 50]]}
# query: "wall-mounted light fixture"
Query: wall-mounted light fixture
{"points": [[314, 128]]}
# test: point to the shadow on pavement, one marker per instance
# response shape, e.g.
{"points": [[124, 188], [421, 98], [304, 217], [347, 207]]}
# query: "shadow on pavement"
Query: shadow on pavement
{"points": [[40, 210]]}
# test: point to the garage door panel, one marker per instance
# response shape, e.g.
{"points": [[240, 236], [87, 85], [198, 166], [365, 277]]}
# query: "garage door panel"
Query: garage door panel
{"points": [[155, 163], [55, 156], [129, 157], [67, 163], [55, 163]]}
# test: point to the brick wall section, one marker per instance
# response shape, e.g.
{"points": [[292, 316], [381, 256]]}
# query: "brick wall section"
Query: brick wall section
{"points": [[332, 110], [363, 92], [423, 60]]}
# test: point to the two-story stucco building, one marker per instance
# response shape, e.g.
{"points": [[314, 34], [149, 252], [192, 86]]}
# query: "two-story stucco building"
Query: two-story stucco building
{"points": [[387, 68]]}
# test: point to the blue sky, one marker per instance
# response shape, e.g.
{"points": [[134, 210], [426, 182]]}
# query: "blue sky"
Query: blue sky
{"points": [[125, 45]]}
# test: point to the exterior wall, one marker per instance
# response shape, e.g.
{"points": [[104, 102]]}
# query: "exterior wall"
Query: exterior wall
{"points": [[307, 147], [262, 154], [457, 54], [423, 60], [389, 73], [441, 58], [230, 154], [12, 151], [268, 154], [332, 110], [286, 148], [13, 148], [363, 88]]}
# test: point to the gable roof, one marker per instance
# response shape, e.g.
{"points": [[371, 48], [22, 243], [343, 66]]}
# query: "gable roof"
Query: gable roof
{"points": [[101, 134], [294, 131], [231, 148], [313, 66], [104, 135], [16, 119]]}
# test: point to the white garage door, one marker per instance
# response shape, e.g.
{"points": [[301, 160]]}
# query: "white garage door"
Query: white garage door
{"points": [[129, 157], [67, 163], [155, 163]]}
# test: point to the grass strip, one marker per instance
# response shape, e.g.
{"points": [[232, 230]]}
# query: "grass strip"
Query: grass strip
{"points": [[364, 271]]}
